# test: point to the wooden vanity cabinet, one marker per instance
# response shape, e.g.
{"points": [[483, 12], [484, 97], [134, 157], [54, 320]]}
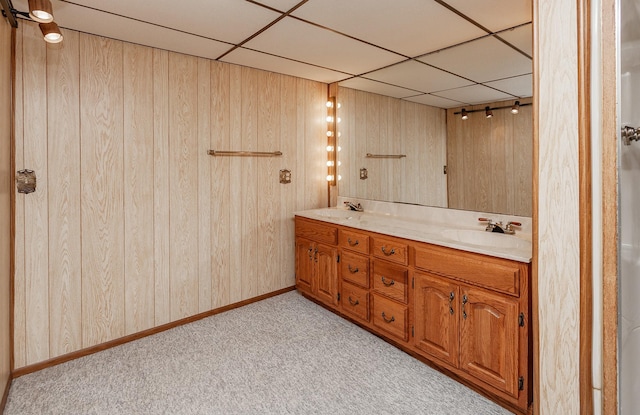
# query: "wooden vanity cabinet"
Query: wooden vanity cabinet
{"points": [[466, 313], [317, 261]]}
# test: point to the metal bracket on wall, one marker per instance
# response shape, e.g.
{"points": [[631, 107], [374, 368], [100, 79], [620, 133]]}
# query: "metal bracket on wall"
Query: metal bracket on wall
{"points": [[364, 174], [26, 181]]}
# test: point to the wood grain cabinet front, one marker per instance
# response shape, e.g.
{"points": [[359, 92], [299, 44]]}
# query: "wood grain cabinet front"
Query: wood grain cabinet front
{"points": [[390, 280], [390, 317], [353, 241], [355, 301], [354, 268]]}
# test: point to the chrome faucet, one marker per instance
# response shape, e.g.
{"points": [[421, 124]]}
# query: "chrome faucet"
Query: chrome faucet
{"points": [[351, 206], [498, 227]]}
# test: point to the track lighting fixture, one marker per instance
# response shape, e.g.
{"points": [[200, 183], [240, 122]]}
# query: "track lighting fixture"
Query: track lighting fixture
{"points": [[464, 114], [51, 32], [487, 112], [41, 11], [515, 108]]}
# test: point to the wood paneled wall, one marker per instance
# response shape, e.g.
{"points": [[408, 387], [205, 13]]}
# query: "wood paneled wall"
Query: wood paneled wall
{"points": [[376, 124], [6, 189], [133, 225], [489, 159]]}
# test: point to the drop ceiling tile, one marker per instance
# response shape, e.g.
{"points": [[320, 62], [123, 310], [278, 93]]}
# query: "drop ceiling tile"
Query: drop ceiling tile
{"points": [[410, 27], [521, 37], [434, 101], [293, 39], [375, 87], [88, 20], [481, 60], [474, 94], [417, 76], [519, 86], [225, 20], [495, 15], [282, 5], [259, 60]]}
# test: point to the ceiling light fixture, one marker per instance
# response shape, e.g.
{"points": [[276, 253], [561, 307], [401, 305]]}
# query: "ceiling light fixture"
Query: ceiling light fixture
{"points": [[516, 107], [464, 115], [41, 11], [488, 113], [51, 32]]}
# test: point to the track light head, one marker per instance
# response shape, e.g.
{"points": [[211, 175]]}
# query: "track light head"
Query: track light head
{"points": [[41, 11], [464, 115], [51, 32], [488, 113], [515, 108]]}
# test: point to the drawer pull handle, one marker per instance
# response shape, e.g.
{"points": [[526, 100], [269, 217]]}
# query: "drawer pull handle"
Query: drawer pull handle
{"points": [[384, 251], [352, 270], [353, 243], [390, 320], [387, 283], [353, 303]]}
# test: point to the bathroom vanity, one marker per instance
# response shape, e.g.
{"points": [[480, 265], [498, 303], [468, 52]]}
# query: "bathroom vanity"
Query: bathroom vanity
{"points": [[456, 298]]}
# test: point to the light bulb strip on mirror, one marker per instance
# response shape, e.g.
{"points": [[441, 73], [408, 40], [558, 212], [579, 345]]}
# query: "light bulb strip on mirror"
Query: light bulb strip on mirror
{"points": [[515, 109], [331, 140]]}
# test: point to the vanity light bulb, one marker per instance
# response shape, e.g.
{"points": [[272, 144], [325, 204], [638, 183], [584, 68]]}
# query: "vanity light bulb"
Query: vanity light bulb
{"points": [[329, 178], [339, 148], [339, 133], [329, 104], [339, 119], [339, 105], [329, 148], [329, 118], [339, 177], [329, 163], [329, 133], [339, 163]]}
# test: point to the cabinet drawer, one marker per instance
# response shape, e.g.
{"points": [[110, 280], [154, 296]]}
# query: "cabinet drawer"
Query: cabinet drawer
{"points": [[355, 269], [499, 274], [391, 250], [390, 280], [316, 231], [354, 241], [390, 317], [355, 301]]}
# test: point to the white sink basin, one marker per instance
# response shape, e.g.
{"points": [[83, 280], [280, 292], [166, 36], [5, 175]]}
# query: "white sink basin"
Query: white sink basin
{"points": [[484, 238], [330, 213]]}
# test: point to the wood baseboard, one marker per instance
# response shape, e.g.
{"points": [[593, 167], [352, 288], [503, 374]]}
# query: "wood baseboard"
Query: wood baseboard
{"points": [[136, 336]]}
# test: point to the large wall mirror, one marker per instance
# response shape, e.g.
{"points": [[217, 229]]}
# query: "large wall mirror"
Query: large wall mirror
{"points": [[402, 137]]}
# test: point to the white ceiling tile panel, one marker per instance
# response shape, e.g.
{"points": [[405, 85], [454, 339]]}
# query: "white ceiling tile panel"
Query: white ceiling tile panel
{"points": [[282, 5], [411, 27], [481, 60], [259, 60], [519, 86], [417, 76], [224, 20], [495, 15], [474, 94], [293, 39], [522, 38], [434, 101], [91, 21], [375, 87]]}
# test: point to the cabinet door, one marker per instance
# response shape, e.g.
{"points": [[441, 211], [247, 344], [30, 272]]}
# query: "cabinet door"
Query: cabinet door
{"points": [[489, 338], [326, 269], [305, 251], [437, 314]]}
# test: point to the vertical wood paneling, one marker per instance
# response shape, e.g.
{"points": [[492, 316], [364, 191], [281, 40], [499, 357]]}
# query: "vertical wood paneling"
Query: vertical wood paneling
{"points": [[183, 168], [6, 199], [142, 227], [558, 267], [235, 190], [249, 184], [220, 177], [288, 144], [161, 262], [102, 181], [268, 194], [65, 244], [19, 282], [204, 185], [36, 205], [138, 189]]}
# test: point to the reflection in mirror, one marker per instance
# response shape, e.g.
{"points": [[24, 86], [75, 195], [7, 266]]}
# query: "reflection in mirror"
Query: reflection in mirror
{"points": [[481, 164]]}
